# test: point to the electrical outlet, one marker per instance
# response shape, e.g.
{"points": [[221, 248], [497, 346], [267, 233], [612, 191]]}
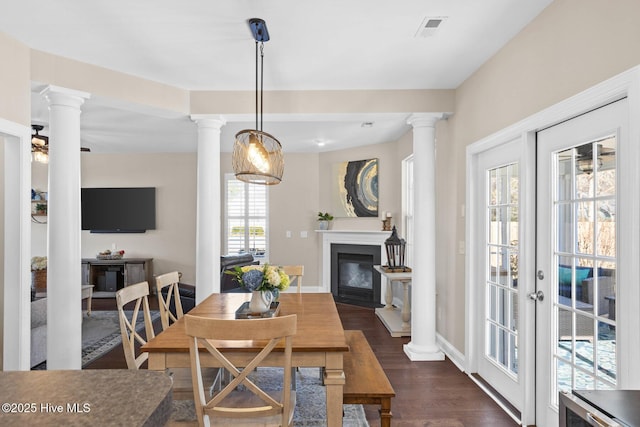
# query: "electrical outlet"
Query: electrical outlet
{"points": [[288, 234]]}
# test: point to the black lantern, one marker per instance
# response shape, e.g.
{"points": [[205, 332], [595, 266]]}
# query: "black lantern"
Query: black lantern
{"points": [[395, 251]]}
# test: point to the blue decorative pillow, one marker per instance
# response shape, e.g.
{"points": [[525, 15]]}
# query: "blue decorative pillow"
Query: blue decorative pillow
{"points": [[564, 275], [583, 273], [564, 280]]}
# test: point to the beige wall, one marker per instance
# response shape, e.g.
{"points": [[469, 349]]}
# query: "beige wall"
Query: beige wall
{"points": [[109, 85], [569, 47], [172, 243], [15, 102], [320, 102]]}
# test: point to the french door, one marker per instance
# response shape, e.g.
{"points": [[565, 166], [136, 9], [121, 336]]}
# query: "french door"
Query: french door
{"points": [[502, 343], [578, 256]]}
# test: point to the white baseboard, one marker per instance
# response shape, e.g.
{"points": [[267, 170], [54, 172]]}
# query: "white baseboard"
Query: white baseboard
{"points": [[452, 353]]}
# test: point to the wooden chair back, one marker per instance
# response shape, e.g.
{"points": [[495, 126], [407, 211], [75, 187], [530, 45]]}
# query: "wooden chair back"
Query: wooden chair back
{"points": [[170, 281], [230, 406], [138, 293], [295, 273]]}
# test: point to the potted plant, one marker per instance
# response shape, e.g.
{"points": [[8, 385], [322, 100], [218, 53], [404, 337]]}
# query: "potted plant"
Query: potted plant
{"points": [[41, 209], [323, 220]]}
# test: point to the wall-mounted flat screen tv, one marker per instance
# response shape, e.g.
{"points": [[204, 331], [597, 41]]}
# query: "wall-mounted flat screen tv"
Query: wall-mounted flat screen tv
{"points": [[118, 210]]}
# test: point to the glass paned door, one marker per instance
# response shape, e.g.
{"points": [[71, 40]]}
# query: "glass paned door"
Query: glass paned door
{"points": [[578, 260], [501, 286], [585, 259], [498, 289]]}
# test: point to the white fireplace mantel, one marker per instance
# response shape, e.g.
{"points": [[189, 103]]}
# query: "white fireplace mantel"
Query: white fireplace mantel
{"points": [[347, 237]]}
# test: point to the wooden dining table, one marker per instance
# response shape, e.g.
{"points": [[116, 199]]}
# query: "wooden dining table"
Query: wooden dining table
{"points": [[319, 341]]}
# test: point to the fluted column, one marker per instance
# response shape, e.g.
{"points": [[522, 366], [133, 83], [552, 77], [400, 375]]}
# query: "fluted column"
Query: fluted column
{"points": [[208, 209], [423, 292], [64, 314]]}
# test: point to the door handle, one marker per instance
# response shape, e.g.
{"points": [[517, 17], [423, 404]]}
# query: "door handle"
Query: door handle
{"points": [[537, 296]]}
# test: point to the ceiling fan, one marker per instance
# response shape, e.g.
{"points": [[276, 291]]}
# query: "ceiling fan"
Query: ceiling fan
{"points": [[585, 156], [40, 145]]}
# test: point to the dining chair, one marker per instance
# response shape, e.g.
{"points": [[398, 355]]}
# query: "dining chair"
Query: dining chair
{"points": [[181, 376], [295, 273], [234, 405], [170, 281], [138, 293]]}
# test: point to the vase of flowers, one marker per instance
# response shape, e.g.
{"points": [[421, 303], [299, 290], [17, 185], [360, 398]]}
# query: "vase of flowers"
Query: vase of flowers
{"points": [[260, 301], [265, 283]]}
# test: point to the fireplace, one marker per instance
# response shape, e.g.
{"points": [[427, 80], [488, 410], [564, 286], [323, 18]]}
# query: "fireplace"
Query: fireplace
{"points": [[353, 279]]}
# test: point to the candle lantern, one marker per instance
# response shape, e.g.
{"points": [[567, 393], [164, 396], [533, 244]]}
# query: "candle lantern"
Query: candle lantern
{"points": [[395, 247]]}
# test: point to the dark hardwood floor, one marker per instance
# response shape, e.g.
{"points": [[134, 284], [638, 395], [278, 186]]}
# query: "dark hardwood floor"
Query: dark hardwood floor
{"points": [[427, 393]]}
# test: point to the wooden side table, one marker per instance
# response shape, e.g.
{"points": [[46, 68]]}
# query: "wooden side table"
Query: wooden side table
{"points": [[87, 293], [397, 321]]}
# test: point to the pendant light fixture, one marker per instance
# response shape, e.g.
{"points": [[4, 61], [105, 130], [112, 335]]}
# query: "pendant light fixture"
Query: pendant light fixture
{"points": [[257, 156], [39, 145]]}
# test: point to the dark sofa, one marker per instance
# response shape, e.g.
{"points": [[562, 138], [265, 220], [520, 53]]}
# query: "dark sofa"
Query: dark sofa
{"points": [[228, 282], [585, 283]]}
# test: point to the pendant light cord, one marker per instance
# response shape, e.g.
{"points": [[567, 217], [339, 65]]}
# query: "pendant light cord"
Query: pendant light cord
{"points": [[256, 84], [260, 83]]}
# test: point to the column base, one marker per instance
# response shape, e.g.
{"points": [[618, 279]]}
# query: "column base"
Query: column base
{"points": [[418, 353]]}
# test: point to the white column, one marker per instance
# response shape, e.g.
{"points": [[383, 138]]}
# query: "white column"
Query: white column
{"points": [[423, 291], [208, 209], [64, 313]]}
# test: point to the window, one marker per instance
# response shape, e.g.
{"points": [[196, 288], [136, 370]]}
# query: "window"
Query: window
{"points": [[246, 226], [407, 207]]}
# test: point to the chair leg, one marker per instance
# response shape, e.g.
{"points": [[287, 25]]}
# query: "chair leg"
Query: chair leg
{"points": [[294, 382]]}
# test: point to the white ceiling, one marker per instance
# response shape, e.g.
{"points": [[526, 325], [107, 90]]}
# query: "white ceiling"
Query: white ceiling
{"points": [[315, 45]]}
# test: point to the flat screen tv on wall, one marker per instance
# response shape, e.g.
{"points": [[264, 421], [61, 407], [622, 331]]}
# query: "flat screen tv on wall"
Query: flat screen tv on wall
{"points": [[118, 210]]}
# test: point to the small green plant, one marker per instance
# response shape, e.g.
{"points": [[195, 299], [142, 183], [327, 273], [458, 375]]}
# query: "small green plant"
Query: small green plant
{"points": [[325, 216], [41, 208]]}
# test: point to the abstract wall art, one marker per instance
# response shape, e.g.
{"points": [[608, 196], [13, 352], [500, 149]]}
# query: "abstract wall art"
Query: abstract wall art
{"points": [[355, 189]]}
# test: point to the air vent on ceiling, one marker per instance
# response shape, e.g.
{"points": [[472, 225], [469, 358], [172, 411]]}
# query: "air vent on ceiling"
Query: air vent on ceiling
{"points": [[430, 25]]}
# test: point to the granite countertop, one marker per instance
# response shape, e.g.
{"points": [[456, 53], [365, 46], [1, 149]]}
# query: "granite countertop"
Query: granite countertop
{"points": [[88, 397]]}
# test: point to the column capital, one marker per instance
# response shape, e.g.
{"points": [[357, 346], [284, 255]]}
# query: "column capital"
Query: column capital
{"points": [[57, 95], [425, 119], [214, 121]]}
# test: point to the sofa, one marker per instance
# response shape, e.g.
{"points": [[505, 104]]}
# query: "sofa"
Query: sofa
{"points": [[228, 282], [38, 331], [585, 287]]}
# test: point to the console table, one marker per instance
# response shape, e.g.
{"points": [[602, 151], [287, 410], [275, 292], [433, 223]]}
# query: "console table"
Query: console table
{"points": [[395, 320], [109, 275]]}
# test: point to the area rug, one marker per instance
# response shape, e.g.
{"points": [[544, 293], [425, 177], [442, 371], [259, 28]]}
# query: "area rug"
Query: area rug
{"points": [[310, 403], [101, 333]]}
